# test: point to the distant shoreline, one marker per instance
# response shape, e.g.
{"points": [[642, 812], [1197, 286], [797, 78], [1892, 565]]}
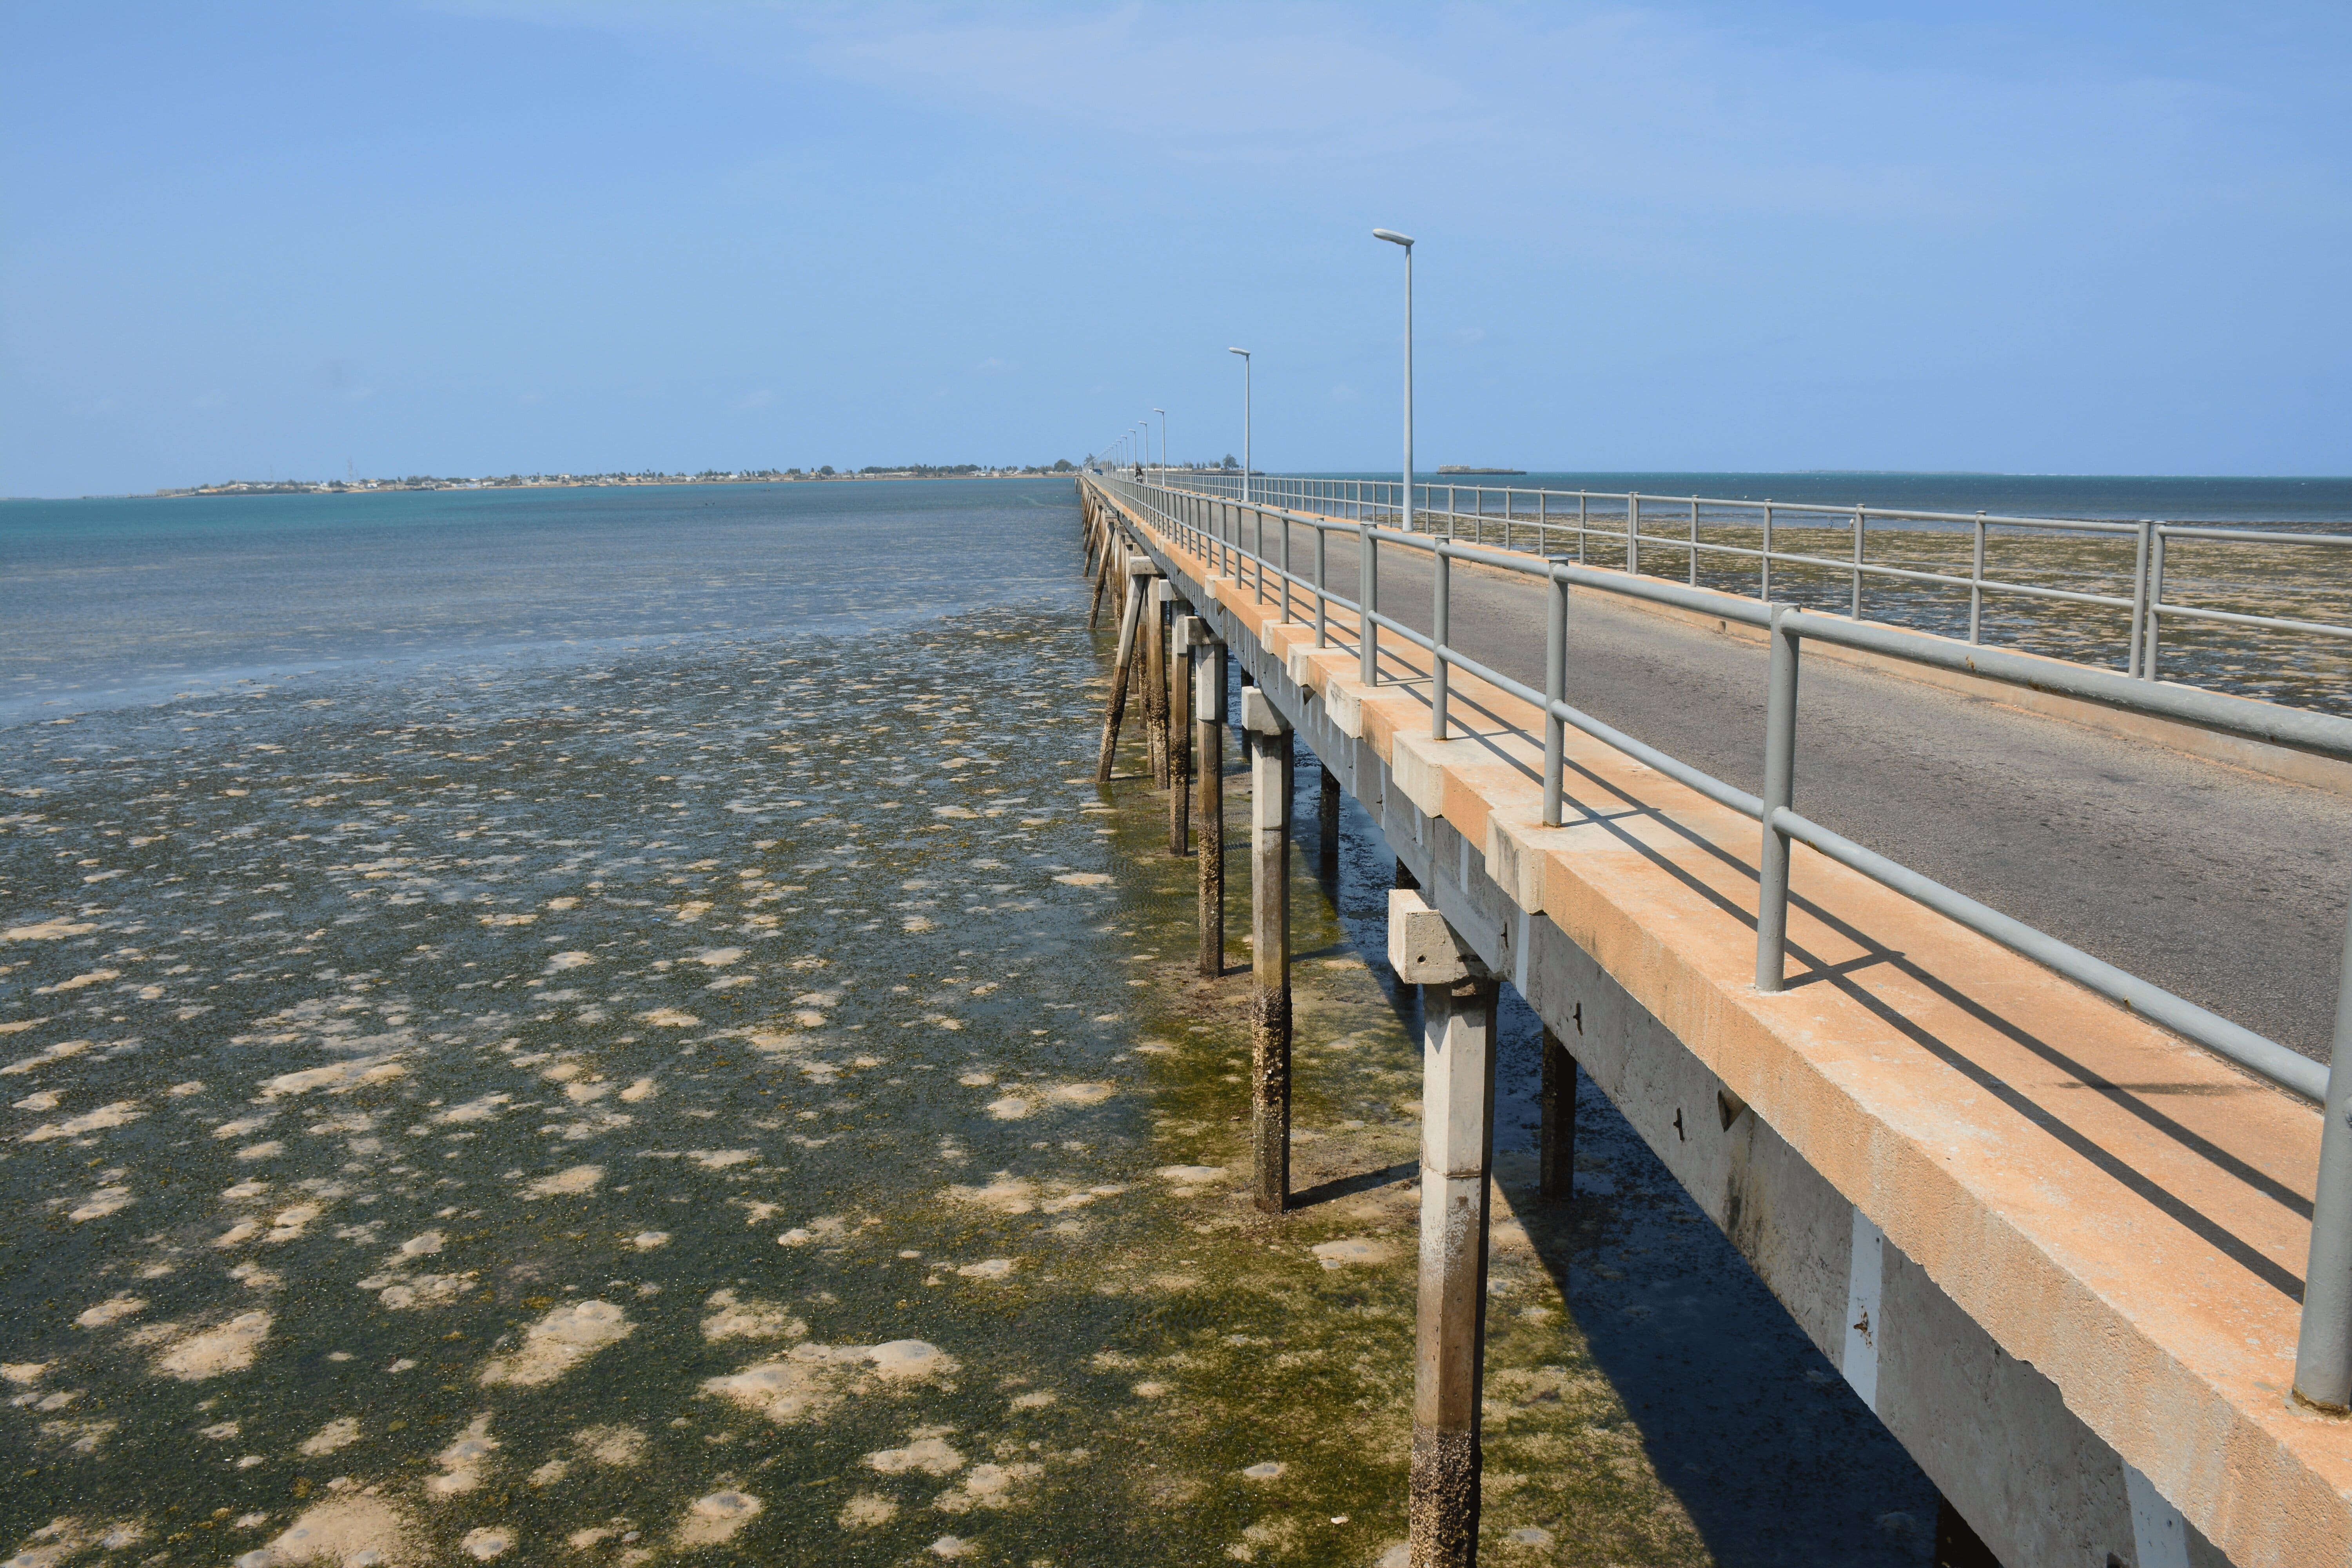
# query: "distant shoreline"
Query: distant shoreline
{"points": [[590, 481]]}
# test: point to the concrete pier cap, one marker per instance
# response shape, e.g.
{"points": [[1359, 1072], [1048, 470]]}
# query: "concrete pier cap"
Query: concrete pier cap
{"points": [[1424, 949]]}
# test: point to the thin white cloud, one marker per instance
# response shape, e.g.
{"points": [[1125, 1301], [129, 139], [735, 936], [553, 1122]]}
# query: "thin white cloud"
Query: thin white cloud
{"points": [[1508, 101]]}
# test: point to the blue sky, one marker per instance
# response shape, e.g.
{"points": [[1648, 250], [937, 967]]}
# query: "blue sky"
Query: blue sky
{"points": [[485, 237]]}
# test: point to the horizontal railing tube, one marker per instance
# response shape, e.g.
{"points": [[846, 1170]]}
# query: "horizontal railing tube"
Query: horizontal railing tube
{"points": [[2297, 727], [2240, 1043]]}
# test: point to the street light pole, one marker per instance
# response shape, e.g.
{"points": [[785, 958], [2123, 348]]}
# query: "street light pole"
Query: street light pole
{"points": [[1395, 238], [1164, 438], [1247, 487], [1370, 588]]}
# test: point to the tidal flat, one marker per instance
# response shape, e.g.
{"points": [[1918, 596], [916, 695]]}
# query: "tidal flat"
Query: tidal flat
{"points": [[753, 1100], [2296, 582]]}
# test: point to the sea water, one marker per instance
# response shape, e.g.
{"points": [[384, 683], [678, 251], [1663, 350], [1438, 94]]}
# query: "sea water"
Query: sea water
{"points": [[605, 1027]]}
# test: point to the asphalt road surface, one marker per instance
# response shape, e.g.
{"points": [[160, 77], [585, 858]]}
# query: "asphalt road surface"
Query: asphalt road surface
{"points": [[2225, 886]]}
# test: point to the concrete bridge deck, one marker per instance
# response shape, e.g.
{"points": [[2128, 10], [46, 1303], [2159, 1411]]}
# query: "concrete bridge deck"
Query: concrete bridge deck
{"points": [[2057, 1250], [2228, 882]]}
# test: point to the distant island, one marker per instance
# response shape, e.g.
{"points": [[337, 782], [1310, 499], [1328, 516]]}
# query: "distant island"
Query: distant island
{"points": [[646, 476], [1458, 468]]}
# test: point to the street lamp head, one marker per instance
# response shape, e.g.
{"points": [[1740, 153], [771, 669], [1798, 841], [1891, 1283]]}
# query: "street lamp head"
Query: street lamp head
{"points": [[1394, 237], [1244, 352]]}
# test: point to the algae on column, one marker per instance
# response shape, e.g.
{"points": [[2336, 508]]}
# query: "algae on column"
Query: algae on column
{"points": [[1457, 1157], [1154, 650], [1115, 708], [1182, 627], [1271, 783], [1209, 763]]}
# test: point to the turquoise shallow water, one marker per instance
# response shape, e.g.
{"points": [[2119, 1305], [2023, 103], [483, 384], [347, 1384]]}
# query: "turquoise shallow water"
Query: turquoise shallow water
{"points": [[106, 602], [634, 1038]]}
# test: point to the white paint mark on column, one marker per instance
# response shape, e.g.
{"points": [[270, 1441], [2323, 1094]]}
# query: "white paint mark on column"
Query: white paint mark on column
{"points": [[1860, 1364], [2159, 1535], [1519, 956]]}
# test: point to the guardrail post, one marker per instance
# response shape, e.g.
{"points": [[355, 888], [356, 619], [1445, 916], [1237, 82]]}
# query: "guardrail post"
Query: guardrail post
{"points": [[1764, 584], [2155, 600], [1368, 596], [1257, 515], [1693, 544], [1543, 520], [1322, 586], [1441, 576], [2323, 1351], [1555, 693], [2139, 601], [1633, 532], [1976, 588], [1780, 793], [1856, 611], [1285, 568]]}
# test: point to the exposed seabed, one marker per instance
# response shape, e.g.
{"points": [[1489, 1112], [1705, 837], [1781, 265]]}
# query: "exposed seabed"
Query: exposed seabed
{"points": [[753, 1103]]}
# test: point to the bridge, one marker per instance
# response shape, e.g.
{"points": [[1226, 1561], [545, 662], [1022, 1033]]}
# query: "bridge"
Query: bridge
{"points": [[2072, 1233]]}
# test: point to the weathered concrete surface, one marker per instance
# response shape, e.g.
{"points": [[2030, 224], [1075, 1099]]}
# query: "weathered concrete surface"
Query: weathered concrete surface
{"points": [[2055, 1250]]}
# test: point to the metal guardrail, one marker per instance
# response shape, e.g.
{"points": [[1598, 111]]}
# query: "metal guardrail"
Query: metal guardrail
{"points": [[1230, 533], [1629, 521]]}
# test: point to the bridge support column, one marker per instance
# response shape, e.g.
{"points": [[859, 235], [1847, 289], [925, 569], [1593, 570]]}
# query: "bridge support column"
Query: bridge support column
{"points": [[1182, 630], [1209, 743], [1326, 823], [1110, 554], [1271, 783], [1457, 1159], [1154, 630], [1139, 572], [1556, 1155]]}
